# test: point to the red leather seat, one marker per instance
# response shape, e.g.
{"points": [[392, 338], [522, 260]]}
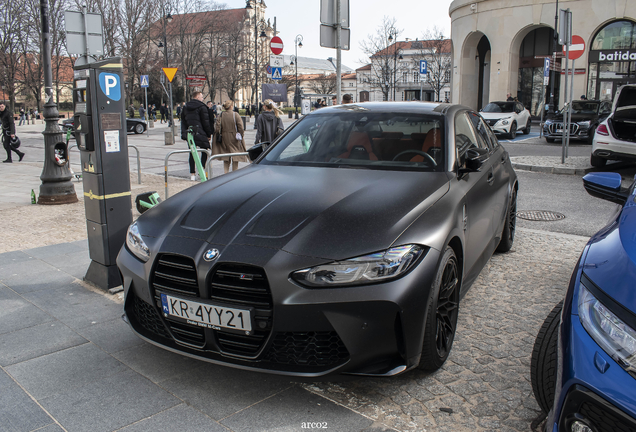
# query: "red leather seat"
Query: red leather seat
{"points": [[359, 147]]}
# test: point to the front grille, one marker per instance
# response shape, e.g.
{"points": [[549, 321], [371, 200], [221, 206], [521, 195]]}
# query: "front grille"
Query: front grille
{"points": [[175, 274], [147, 317], [307, 349], [582, 403], [552, 128], [243, 286], [187, 333], [492, 122], [604, 420]]}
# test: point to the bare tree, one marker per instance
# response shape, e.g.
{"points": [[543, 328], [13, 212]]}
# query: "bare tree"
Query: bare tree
{"points": [[324, 84], [384, 51], [235, 72], [436, 50], [12, 26]]}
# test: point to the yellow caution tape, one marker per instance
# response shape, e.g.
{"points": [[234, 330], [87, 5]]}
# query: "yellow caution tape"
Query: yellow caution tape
{"points": [[91, 195]]}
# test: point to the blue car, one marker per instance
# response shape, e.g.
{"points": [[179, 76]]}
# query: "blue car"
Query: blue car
{"points": [[583, 366]]}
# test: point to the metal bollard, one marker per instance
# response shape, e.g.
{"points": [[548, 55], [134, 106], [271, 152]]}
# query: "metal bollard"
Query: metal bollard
{"points": [[151, 123], [290, 114], [167, 138], [244, 122]]}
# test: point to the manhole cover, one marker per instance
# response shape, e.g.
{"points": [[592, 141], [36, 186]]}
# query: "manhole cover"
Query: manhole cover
{"points": [[540, 215]]}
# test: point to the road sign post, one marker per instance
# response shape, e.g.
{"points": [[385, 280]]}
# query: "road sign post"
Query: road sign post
{"points": [[143, 83], [170, 73]]}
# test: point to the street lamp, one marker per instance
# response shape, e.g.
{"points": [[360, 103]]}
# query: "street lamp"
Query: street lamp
{"points": [[394, 32], [262, 25], [298, 42], [167, 18]]}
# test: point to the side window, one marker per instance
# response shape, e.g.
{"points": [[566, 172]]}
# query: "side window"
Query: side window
{"points": [[482, 131], [520, 107], [465, 137]]}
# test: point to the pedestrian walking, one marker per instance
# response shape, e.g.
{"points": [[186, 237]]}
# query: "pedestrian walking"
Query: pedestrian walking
{"points": [[229, 127], [142, 112], [163, 111], [211, 113], [131, 111], [8, 133], [509, 98], [268, 124], [22, 117], [346, 99], [179, 109], [195, 113], [154, 112]]}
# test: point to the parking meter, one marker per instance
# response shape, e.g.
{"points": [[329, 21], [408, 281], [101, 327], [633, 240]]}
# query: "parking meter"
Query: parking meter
{"points": [[100, 133]]}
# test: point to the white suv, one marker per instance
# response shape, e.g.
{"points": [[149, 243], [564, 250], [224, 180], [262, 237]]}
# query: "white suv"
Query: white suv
{"points": [[615, 138], [507, 118]]}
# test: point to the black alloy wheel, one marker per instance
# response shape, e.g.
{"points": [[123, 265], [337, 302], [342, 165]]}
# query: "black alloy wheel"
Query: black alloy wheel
{"points": [[528, 128], [510, 225], [513, 130], [443, 310]]}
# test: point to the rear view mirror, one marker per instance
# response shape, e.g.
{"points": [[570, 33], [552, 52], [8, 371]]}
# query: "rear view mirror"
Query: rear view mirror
{"points": [[473, 159], [256, 150], [606, 186]]}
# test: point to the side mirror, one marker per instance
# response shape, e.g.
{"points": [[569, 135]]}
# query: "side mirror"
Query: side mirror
{"points": [[606, 186], [256, 150], [474, 159]]}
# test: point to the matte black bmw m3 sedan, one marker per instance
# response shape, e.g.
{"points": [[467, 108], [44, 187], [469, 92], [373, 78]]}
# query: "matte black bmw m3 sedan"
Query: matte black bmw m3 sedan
{"points": [[344, 248]]}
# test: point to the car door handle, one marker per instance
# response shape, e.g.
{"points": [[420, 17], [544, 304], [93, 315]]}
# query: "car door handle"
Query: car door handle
{"points": [[491, 178], [503, 159]]}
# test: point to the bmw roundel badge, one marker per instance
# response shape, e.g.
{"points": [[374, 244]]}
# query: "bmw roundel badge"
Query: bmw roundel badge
{"points": [[211, 254]]}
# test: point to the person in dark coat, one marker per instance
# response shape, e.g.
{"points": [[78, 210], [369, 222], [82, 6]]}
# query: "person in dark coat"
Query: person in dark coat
{"points": [[8, 132], [195, 113], [131, 111], [268, 124], [211, 113], [162, 111]]}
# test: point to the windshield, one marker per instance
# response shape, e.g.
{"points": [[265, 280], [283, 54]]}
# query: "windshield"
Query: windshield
{"points": [[582, 107], [362, 139], [499, 107]]}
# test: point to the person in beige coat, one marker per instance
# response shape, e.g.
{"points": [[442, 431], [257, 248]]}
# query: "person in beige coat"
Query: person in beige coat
{"points": [[228, 124]]}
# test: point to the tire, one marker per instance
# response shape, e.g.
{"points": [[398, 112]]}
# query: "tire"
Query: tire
{"points": [[443, 309], [513, 131], [528, 128], [139, 128], [510, 225], [550, 140], [597, 162], [590, 137], [543, 366]]}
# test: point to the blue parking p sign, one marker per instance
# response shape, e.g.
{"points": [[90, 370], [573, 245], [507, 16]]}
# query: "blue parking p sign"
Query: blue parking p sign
{"points": [[423, 67]]}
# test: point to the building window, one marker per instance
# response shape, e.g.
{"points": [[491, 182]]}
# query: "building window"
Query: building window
{"points": [[617, 35], [416, 77], [405, 77], [446, 96]]}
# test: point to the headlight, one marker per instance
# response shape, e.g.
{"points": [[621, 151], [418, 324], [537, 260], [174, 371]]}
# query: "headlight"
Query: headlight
{"points": [[375, 267], [585, 124], [504, 121], [136, 244], [616, 338]]}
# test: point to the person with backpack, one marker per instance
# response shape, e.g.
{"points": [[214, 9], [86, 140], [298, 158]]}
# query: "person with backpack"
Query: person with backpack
{"points": [[195, 113], [268, 124]]}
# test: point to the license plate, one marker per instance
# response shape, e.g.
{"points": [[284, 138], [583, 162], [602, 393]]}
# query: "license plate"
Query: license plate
{"points": [[206, 315]]}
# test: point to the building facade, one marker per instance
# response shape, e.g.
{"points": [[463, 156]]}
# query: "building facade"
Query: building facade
{"points": [[499, 47]]}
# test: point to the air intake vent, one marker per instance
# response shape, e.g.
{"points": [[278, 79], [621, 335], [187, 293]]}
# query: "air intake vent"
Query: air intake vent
{"points": [[147, 317], [186, 333], [307, 349], [243, 286], [175, 274]]}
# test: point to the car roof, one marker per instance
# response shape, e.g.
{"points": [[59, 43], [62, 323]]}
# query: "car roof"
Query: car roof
{"points": [[415, 107]]}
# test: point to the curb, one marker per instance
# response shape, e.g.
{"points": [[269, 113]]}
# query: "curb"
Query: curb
{"points": [[552, 170]]}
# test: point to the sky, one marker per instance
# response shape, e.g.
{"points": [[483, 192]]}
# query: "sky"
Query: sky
{"points": [[295, 17]]}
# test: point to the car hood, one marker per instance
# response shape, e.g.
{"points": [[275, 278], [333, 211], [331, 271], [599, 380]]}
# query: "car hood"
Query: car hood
{"points": [[496, 116], [575, 117], [331, 213], [611, 260]]}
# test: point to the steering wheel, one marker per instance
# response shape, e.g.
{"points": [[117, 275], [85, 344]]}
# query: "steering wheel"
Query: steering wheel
{"points": [[427, 157]]}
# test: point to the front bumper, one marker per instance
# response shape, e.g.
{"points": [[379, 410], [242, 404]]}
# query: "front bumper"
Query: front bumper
{"points": [[555, 131], [596, 390], [370, 330]]}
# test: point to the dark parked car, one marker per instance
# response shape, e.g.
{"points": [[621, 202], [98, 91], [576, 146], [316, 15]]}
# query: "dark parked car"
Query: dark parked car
{"points": [[135, 125], [344, 248], [584, 359], [586, 116]]}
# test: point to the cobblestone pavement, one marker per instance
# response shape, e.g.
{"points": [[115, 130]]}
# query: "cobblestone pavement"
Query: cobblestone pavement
{"points": [[485, 384]]}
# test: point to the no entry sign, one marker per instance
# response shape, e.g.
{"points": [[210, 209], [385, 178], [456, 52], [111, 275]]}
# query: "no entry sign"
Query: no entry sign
{"points": [[577, 48], [276, 45]]}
